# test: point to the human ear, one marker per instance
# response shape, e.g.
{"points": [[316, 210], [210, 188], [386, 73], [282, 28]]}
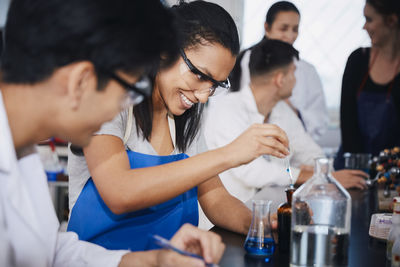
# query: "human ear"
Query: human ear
{"points": [[81, 79], [279, 79], [392, 20], [267, 29]]}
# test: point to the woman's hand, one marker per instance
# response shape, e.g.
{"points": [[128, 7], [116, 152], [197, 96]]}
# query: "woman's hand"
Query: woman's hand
{"points": [[257, 140]]}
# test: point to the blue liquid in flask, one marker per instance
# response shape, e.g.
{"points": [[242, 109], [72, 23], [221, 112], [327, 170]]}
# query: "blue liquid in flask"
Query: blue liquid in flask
{"points": [[255, 247]]}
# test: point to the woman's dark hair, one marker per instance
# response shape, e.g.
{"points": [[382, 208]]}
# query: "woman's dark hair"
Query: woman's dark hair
{"points": [[43, 35], [282, 6], [198, 22], [386, 7], [267, 55]]}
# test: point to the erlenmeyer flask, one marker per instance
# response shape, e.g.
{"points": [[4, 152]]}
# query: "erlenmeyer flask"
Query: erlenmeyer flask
{"points": [[259, 241]]}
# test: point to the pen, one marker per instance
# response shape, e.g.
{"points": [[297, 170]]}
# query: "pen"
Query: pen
{"points": [[164, 243]]}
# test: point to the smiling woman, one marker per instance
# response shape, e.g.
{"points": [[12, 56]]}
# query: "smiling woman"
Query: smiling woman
{"points": [[186, 83], [150, 181]]}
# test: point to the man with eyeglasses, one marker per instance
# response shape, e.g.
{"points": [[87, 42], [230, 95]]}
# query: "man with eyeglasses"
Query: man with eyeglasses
{"points": [[67, 67]]}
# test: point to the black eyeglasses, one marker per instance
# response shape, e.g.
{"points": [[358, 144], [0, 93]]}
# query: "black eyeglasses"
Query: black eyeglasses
{"points": [[135, 92], [223, 84], [142, 87]]}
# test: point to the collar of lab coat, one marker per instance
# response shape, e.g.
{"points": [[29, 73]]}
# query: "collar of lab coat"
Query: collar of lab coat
{"points": [[11, 182], [251, 105], [7, 152]]}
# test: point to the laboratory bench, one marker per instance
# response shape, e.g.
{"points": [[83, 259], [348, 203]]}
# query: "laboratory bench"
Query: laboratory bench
{"points": [[364, 251]]}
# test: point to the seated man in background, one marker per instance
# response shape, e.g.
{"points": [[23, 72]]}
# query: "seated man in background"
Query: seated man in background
{"points": [[282, 22], [272, 79], [67, 67]]}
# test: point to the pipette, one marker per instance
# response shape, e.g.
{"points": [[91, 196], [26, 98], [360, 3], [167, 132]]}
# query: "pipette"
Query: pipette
{"points": [[289, 171]]}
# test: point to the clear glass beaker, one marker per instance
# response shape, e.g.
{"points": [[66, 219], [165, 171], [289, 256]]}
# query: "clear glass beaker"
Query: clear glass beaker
{"points": [[259, 241], [321, 212], [357, 161]]}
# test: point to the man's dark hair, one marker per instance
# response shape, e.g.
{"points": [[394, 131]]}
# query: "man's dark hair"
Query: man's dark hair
{"points": [[125, 35], [270, 55], [198, 23], [267, 55], [275, 9]]}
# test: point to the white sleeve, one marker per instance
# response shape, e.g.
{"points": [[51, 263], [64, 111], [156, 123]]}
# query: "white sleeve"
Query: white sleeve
{"points": [[305, 150], [223, 125], [201, 144], [265, 171], [116, 126], [314, 111], [6, 252], [272, 171], [73, 252], [302, 147]]}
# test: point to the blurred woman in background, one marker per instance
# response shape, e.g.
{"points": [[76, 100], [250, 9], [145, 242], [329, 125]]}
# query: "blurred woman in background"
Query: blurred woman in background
{"points": [[370, 101]]}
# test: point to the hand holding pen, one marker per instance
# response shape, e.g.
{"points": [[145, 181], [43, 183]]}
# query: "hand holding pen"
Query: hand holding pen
{"points": [[205, 248]]}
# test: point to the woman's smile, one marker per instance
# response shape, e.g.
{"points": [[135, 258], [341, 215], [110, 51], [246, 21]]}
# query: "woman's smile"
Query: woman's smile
{"points": [[185, 101]]}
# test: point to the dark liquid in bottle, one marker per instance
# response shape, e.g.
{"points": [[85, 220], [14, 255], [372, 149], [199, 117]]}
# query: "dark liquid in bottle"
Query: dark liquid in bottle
{"points": [[285, 221]]}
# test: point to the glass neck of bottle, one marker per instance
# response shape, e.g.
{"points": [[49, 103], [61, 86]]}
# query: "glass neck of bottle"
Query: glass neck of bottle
{"points": [[323, 167], [289, 193]]}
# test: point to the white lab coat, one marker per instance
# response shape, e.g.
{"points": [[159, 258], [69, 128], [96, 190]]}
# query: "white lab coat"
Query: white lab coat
{"points": [[28, 218], [307, 97], [229, 116]]}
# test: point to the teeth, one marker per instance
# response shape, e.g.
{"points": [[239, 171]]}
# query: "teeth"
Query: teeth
{"points": [[186, 100]]}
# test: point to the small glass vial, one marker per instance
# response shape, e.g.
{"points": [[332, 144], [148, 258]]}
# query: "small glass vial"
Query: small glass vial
{"points": [[259, 241], [285, 221]]}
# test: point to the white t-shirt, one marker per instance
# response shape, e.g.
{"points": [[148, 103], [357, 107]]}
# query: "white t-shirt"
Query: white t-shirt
{"points": [[228, 116], [307, 96], [77, 168]]}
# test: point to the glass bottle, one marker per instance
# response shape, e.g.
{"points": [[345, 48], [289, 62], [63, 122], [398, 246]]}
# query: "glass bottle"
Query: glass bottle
{"points": [[259, 241], [284, 221], [321, 212]]}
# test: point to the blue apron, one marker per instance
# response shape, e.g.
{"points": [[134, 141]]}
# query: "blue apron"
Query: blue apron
{"points": [[377, 121], [93, 221]]}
